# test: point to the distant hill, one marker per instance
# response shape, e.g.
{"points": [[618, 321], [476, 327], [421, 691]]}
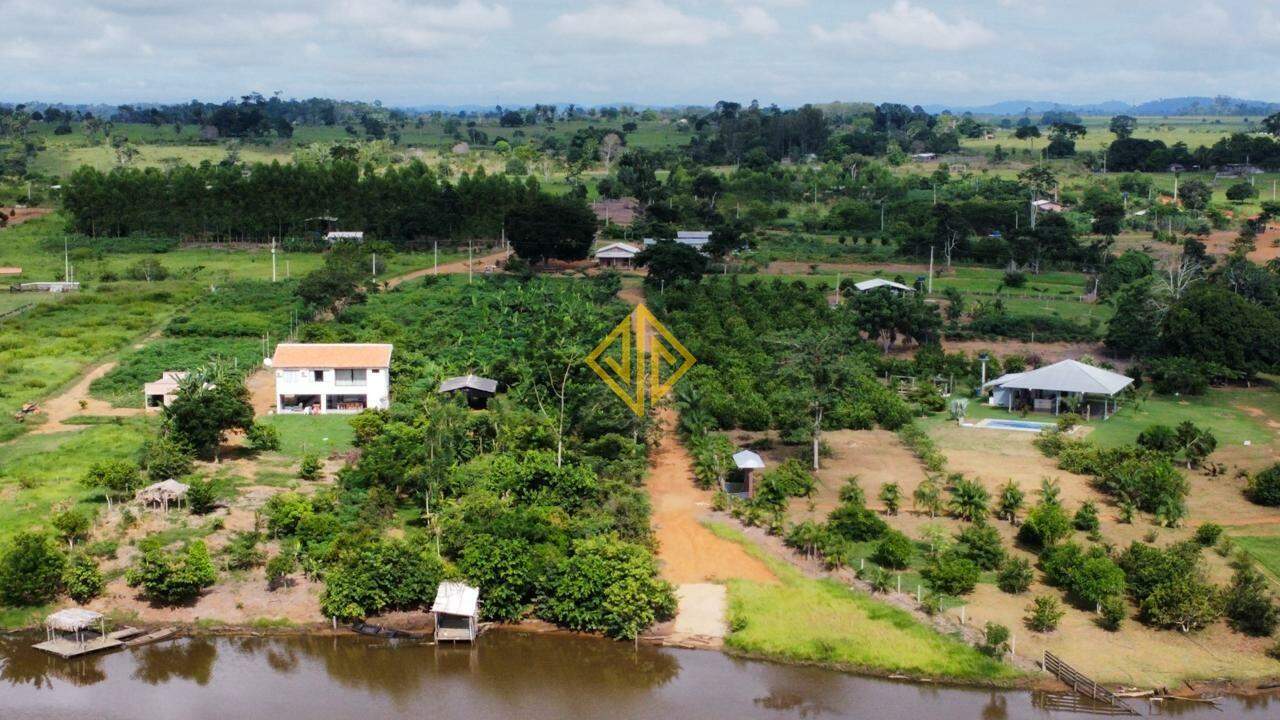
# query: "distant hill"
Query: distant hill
{"points": [[1220, 105]]}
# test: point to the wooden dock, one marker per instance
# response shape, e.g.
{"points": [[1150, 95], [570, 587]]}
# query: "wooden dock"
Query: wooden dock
{"points": [[1103, 701], [68, 648]]}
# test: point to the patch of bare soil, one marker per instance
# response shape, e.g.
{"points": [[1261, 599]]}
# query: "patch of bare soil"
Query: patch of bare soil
{"points": [[17, 215], [1048, 352], [1268, 244], [789, 267], [687, 551], [262, 391]]}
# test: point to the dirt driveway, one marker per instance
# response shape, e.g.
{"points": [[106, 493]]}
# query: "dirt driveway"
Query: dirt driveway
{"points": [[57, 409], [478, 265]]}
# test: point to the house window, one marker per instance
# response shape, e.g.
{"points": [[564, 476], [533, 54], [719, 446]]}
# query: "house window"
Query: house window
{"points": [[349, 377], [318, 375]]}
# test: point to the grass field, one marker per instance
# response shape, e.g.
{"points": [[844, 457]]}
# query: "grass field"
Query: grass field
{"points": [[822, 621], [1192, 130], [319, 434], [1264, 549]]}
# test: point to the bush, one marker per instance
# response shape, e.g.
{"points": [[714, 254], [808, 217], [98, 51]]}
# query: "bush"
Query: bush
{"points": [[82, 579], [263, 437], [1264, 487], [280, 567], [996, 642], [310, 467], [1015, 576], [878, 578], [1248, 603], [371, 577], [894, 551], [952, 574], [1159, 438], [72, 525], [1208, 534], [981, 543], [242, 551], [1015, 279], [1186, 603], [1045, 525], [505, 572], [857, 524], [1112, 613], [284, 512], [201, 497], [166, 457], [31, 567], [173, 578], [1086, 519], [1044, 613], [609, 586]]}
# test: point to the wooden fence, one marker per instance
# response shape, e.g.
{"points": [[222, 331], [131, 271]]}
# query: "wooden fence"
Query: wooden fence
{"points": [[1085, 686]]}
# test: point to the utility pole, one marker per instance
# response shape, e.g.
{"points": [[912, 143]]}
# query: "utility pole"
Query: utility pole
{"points": [[837, 289], [468, 262], [435, 249], [66, 260], [882, 217], [273, 259], [930, 290], [373, 264]]}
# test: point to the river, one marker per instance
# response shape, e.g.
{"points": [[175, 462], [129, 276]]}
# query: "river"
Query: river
{"points": [[507, 675]]}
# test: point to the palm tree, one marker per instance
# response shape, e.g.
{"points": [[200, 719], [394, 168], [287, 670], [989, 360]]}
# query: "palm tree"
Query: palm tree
{"points": [[891, 496], [1011, 501], [969, 500], [928, 496], [1050, 492]]}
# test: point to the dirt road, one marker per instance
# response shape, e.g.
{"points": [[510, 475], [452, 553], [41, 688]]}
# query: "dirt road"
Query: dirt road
{"points": [[66, 404], [687, 551], [478, 265]]}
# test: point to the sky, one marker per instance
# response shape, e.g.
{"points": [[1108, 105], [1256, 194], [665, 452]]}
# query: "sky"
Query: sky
{"points": [[649, 52]]}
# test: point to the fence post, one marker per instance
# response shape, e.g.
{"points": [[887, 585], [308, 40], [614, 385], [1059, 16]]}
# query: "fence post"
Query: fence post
{"points": [[899, 583], [918, 598], [962, 607], [1013, 643]]}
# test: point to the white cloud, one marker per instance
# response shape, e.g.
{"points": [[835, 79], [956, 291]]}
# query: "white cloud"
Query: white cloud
{"points": [[755, 20], [907, 25], [646, 22]]}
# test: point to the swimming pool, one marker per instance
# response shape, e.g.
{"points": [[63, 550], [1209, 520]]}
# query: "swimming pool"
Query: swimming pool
{"points": [[1019, 425]]}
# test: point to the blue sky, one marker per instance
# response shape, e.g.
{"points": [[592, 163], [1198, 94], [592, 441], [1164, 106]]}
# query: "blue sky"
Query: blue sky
{"points": [[405, 52]]}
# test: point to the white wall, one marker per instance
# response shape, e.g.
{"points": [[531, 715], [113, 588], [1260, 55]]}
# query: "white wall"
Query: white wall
{"points": [[293, 381]]}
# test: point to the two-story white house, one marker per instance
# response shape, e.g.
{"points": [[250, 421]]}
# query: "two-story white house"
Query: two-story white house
{"points": [[331, 378]]}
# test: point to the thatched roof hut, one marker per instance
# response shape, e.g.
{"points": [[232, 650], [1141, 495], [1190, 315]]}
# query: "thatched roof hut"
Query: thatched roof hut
{"points": [[164, 493]]}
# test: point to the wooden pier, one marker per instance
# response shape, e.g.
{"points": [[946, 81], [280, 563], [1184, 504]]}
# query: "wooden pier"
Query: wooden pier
{"points": [[69, 647], [1103, 701]]}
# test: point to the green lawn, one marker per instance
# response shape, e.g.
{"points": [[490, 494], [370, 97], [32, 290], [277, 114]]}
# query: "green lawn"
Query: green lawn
{"points": [[1265, 549], [822, 621], [1219, 410], [41, 472], [320, 434]]}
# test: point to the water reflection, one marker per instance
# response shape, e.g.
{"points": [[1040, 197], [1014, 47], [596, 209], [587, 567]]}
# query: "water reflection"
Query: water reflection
{"points": [[190, 659], [21, 664]]}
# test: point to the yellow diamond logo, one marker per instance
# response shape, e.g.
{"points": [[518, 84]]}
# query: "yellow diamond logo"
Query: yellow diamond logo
{"points": [[632, 357]]}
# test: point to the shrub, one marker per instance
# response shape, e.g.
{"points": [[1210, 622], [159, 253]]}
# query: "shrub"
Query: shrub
{"points": [[31, 566], [857, 524], [931, 604], [82, 579], [370, 577], [969, 499], [173, 578], [1159, 438], [1045, 525], [242, 551], [1011, 501], [1147, 567], [1015, 576], [310, 467], [981, 543], [504, 570], [609, 586], [263, 437], [996, 641], [280, 567], [1061, 563], [878, 578], [166, 457], [1264, 487], [201, 497], [1208, 534], [1097, 579], [1015, 279], [1044, 613], [117, 478], [1248, 603], [1185, 603], [952, 574], [1086, 518], [1112, 613], [891, 496], [284, 513], [894, 551]]}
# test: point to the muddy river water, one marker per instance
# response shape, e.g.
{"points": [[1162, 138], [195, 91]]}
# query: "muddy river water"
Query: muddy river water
{"points": [[507, 675]]}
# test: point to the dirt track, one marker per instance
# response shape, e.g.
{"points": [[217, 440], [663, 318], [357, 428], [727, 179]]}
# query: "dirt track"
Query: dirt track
{"points": [[688, 551], [478, 264], [66, 404]]}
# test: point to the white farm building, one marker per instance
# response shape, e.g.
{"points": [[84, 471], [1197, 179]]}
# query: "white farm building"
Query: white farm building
{"points": [[331, 378]]}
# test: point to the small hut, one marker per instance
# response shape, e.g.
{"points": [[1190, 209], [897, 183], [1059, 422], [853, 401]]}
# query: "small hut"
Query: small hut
{"points": [[477, 389], [164, 493], [455, 610], [743, 481], [70, 632], [161, 393]]}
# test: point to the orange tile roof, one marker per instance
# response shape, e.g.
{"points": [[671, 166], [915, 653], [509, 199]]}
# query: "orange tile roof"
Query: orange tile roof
{"points": [[335, 355]]}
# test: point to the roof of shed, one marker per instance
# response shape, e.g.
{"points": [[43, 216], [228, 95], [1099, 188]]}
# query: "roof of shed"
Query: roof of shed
{"points": [[454, 598], [747, 460], [332, 355], [876, 283], [474, 382], [72, 619]]}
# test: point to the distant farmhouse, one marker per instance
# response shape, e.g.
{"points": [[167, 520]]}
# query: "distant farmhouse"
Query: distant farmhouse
{"points": [[895, 288], [331, 378], [619, 211], [1049, 206], [340, 235], [696, 239], [617, 255]]}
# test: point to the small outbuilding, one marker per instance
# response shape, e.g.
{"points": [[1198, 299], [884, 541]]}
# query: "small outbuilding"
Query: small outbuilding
{"points": [[456, 611], [743, 481], [164, 493], [617, 255], [1070, 383], [895, 288], [161, 393], [477, 389], [337, 236]]}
